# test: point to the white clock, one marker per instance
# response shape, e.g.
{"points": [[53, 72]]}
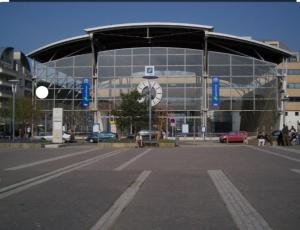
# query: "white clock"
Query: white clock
{"points": [[156, 91]]}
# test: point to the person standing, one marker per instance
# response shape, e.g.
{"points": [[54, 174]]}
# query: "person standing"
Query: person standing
{"points": [[261, 139], [298, 131]]}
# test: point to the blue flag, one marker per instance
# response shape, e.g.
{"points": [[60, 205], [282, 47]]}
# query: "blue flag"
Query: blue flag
{"points": [[85, 89], [215, 91]]}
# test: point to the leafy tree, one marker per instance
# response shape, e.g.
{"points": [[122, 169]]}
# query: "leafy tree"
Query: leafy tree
{"points": [[131, 113]]}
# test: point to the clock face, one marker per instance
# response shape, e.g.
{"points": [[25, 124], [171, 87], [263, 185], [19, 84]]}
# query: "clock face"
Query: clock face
{"points": [[156, 91]]}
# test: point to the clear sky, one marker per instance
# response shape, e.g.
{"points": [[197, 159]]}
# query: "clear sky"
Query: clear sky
{"points": [[28, 26]]}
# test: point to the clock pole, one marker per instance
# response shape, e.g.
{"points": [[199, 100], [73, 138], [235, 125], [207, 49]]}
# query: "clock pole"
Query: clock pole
{"points": [[150, 104]]}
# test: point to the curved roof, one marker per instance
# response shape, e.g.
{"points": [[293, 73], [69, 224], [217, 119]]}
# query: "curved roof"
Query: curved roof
{"points": [[157, 34], [7, 54]]}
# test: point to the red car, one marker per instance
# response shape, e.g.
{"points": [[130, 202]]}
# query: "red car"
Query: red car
{"points": [[234, 136]]}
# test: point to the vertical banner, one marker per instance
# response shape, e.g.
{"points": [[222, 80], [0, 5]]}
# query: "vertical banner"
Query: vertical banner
{"points": [[85, 89], [215, 91]]}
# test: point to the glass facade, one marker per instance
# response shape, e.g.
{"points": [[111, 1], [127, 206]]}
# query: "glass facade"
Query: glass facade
{"points": [[248, 87]]}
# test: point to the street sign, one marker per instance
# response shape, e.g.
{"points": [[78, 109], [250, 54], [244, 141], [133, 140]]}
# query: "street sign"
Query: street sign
{"points": [[185, 128], [149, 71], [172, 122]]}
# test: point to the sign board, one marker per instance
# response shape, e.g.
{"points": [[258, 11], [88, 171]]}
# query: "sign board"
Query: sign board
{"points": [[215, 91], [185, 128], [57, 126], [85, 89], [113, 128], [172, 122], [149, 71], [203, 129], [96, 128]]}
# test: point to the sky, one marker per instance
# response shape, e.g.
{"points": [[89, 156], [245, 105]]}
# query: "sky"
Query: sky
{"points": [[28, 26]]}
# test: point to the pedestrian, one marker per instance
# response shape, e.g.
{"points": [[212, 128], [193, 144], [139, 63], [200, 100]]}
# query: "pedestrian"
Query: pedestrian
{"points": [[285, 135], [261, 139], [269, 138], [141, 141], [298, 131], [137, 140]]}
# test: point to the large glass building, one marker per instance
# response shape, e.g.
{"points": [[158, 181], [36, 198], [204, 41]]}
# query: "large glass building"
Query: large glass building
{"points": [[186, 58]]}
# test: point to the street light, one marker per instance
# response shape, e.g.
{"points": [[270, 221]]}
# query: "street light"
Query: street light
{"points": [[150, 100], [14, 84]]}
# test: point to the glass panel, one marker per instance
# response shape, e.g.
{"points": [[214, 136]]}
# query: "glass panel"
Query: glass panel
{"points": [[192, 51], [193, 104], [218, 59], [176, 60], [123, 52], [106, 72], [219, 70], [175, 51], [123, 71], [123, 60], [242, 82], [106, 61], [242, 93], [238, 104], [84, 60], [194, 69], [265, 104], [83, 72], [158, 60], [176, 104], [194, 60], [141, 60], [64, 62], [141, 51], [67, 71], [176, 92], [178, 69], [158, 50], [242, 70], [238, 60]]}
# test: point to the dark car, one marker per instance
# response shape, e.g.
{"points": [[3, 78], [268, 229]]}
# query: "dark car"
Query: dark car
{"points": [[103, 136], [276, 134], [234, 136]]}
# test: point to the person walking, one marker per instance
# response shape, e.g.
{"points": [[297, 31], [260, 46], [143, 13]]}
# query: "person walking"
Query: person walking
{"points": [[285, 135], [261, 139]]}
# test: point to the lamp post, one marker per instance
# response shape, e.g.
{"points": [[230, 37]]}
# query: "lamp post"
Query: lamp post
{"points": [[14, 90], [150, 100]]}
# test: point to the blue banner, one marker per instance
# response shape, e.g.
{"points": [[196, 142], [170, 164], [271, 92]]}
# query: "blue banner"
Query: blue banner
{"points": [[215, 91], [85, 89]]}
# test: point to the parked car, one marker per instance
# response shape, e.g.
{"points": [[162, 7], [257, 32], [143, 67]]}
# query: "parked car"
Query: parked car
{"points": [[48, 137], [146, 133], [102, 136], [4, 135], [234, 136], [276, 134]]}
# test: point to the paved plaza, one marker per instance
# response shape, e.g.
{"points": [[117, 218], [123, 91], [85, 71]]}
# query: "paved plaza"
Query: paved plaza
{"points": [[189, 187]]}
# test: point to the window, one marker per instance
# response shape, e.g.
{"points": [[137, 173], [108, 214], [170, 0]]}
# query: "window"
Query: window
{"points": [[286, 113], [296, 114]]}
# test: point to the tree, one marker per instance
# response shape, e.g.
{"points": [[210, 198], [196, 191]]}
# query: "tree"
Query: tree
{"points": [[131, 113]]}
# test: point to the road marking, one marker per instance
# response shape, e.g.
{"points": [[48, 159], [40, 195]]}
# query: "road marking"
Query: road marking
{"points": [[287, 149], [49, 160], [242, 212], [23, 185], [121, 167], [295, 171], [273, 153], [109, 218]]}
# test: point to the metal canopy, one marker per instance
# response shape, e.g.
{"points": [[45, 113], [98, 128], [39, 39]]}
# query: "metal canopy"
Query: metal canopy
{"points": [[179, 35]]}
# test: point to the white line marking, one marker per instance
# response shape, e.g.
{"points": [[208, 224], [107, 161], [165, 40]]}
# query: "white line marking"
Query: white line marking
{"points": [[121, 167], [23, 185], [273, 153], [242, 212], [295, 171], [287, 149], [109, 218], [49, 160]]}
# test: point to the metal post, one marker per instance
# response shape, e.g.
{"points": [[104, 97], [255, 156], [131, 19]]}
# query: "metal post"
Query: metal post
{"points": [[150, 88], [204, 87], [14, 88]]}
